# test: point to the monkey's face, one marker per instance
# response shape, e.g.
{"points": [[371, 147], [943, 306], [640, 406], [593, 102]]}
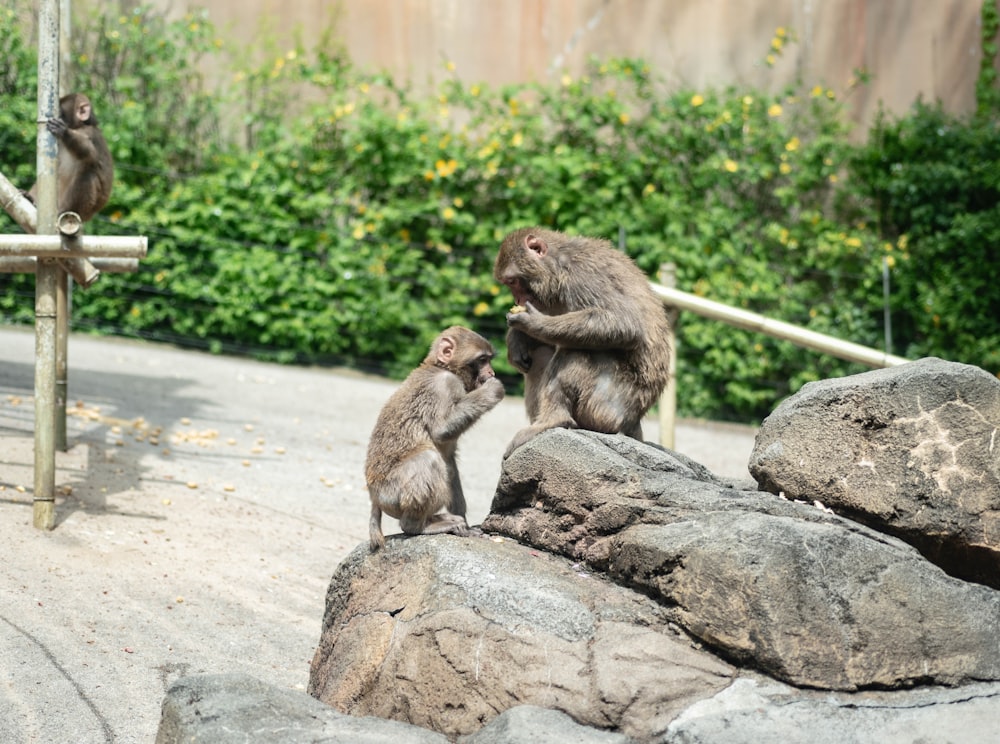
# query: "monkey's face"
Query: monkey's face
{"points": [[522, 267], [481, 370], [75, 110]]}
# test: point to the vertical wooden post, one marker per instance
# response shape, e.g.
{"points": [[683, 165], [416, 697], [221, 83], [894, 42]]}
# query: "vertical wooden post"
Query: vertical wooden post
{"points": [[668, 398], [64, 283], [45, 280]]}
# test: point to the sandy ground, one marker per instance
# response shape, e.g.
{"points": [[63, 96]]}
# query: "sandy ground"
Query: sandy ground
{"points": [[204, 503]]}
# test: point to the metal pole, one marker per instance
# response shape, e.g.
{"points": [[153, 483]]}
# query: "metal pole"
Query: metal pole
{"points": [[64, 282], [668, 398], [45, 282]]}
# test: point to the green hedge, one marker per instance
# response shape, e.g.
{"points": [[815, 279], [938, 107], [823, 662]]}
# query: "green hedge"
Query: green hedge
{"points": [[338, 215]]}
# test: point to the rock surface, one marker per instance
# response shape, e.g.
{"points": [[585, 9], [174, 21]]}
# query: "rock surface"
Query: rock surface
{"points": [[236, 709], [913, 451], [786, 588], [446, 633]]}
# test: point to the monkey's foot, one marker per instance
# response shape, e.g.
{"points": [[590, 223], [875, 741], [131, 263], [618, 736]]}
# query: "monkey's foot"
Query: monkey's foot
{"points": [[528, 433]]}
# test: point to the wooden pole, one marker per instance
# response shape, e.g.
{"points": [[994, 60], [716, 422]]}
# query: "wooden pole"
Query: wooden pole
{"points": [[779, 329], [64, 281], [45, 283], [43, 246], [668, 398]]}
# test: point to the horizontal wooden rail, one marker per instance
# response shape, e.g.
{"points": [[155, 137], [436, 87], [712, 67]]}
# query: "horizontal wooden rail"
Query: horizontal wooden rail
{"points": [[678, 300], [29, 265], [753, 322], [110, 246]]}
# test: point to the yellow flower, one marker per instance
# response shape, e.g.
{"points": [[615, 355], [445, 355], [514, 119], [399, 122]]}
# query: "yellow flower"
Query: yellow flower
{"points": [[458, 202], [474, 91], [291, 55], [623, 118], [450, 66], [817, 91], [774, 109], [780, 32], [481, 309], [648, 189], [890, 261], [792, 145], [428, 175], [358, 232], [363, 88], [731, 165], [853, 242], [834, 179], [566, 80], [448, 214], [770, 59], [517, 139], [785, 168], [747, 100], [404, 235], [697, 100]]}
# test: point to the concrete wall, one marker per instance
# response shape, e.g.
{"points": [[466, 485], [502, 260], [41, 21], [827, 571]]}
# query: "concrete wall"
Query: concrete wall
{"points": [[912, 48]]}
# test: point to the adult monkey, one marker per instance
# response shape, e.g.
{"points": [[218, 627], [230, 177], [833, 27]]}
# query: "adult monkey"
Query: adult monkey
{"points": [[588, 333], [410, 468], [84, 167]]}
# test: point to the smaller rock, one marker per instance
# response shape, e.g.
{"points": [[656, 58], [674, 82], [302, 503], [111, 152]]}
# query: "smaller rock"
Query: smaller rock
{"points": [[237, 708]]}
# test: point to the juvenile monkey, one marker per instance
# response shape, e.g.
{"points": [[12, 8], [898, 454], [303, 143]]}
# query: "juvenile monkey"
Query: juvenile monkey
{"points": [[592, 339], [410, 468], [84, 167]]}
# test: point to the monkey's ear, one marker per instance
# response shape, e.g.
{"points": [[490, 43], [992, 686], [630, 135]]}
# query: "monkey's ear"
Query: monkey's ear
{"points": [[536, 245], [445, 350]]}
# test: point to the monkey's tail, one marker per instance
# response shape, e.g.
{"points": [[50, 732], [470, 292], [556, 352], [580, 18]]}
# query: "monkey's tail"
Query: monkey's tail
{"points": [[376, 540]]}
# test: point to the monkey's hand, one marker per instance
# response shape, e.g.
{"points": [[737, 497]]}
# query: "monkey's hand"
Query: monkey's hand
{"points": [[57, 127], [523, 316], [492, 391], [519, 349]]}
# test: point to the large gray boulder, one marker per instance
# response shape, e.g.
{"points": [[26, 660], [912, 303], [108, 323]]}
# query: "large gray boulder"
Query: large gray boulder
{"points": [[447, 633], [913, 451], [785, 588]]}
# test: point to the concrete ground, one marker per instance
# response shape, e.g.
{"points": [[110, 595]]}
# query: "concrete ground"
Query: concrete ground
{"points": [[203, 505]]}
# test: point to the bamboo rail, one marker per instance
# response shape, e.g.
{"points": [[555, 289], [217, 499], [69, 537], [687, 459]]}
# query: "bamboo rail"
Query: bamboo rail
{"points": [[678, 300]]}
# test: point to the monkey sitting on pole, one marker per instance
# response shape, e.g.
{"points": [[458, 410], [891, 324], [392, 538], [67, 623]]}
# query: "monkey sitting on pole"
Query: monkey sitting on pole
{"points": [[84, 168], [410, 468]]}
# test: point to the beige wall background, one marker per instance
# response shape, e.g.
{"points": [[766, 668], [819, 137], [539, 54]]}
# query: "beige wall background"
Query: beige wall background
{"points": [[912, 48]]}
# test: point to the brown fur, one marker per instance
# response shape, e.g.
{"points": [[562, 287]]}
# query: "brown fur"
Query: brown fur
{"points": [[410, 468], [84, 166], [593, 341]]}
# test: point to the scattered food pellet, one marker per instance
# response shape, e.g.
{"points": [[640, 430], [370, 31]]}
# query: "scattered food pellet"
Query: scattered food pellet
{"points": [[186, 421], [246, 463], [279, 450], [179, 600], [192, 484], [167, 502], [248, 427], [230, 441]]}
